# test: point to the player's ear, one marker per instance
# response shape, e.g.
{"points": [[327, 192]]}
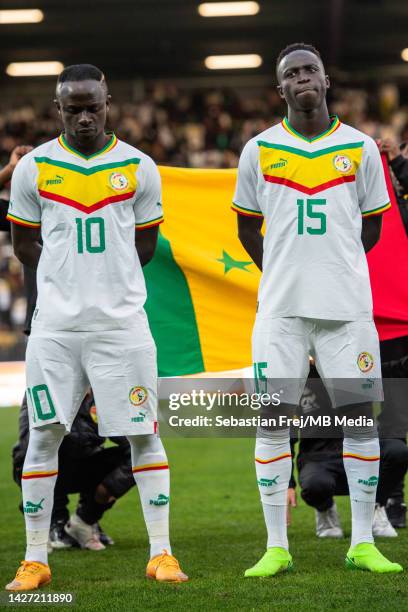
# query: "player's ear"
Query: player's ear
{"points": [[57, 104], [280, 91], [108, 101], [327, 81]]}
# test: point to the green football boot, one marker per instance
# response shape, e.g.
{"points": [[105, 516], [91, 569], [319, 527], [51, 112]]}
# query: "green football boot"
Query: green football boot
{"points": [[368, 558], [274, 560]]}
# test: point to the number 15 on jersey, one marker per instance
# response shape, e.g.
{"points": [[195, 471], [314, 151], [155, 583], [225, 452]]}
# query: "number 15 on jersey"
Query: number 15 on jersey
{"points": [[308, 211]]}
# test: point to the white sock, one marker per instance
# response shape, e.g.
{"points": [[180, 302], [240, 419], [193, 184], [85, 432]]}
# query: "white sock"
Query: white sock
{"points": [[273, 465], [38, 481], [361, 456], [151, 472]]}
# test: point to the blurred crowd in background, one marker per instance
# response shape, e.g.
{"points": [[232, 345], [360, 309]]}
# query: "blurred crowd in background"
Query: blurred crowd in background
{"points": [[182, 127]]}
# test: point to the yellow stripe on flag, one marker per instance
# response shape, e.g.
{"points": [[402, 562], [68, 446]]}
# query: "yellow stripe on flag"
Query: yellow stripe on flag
{"points": [[222, 279]]}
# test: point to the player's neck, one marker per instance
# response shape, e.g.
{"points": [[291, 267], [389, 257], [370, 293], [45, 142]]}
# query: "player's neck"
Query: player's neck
{"points": [[310, 123], [88, 148]]}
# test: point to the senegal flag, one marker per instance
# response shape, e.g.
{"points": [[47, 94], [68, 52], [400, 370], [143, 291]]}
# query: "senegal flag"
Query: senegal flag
{"points": [[201, 284]]}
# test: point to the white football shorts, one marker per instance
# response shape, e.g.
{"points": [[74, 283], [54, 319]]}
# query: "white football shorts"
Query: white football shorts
{"points": [[346, 354], [119, 365]]}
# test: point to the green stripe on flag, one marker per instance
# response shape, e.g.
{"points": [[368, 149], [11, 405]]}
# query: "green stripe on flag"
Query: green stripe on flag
{"points": [[171, 328]]}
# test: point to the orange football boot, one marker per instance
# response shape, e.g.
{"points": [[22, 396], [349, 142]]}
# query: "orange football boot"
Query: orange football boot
{"points": [[165, 568], [30, 575]]}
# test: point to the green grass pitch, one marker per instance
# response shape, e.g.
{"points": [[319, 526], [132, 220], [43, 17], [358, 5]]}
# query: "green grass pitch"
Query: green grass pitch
{"points": [[217, 532]]}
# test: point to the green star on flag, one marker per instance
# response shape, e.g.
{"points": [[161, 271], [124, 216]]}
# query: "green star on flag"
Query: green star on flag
{"points": [[230, 263]]}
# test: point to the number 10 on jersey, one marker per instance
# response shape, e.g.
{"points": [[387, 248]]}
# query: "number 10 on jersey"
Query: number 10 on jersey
{"points": [[309, 212], [94, 239]]}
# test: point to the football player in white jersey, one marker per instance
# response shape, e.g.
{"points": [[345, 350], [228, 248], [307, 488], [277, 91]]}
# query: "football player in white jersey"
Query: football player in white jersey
{"points": [[319, 186], [96, 204]]}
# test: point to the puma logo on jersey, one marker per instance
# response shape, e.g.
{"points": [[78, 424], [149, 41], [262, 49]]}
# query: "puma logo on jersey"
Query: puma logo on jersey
{"points": [[280, 164], [55, 181]]}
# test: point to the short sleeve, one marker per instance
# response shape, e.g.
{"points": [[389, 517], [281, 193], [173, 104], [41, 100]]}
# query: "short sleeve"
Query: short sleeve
{"points": [[24, 208], [245, 200], [372, 190], [148, 206]]}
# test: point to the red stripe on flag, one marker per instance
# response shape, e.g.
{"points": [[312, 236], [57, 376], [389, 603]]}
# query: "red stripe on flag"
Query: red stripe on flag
{"points": [[388, 265]]}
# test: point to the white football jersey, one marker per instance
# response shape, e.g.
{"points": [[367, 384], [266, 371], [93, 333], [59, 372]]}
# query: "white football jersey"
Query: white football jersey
{"points": [[312, 195], [89, 276]]}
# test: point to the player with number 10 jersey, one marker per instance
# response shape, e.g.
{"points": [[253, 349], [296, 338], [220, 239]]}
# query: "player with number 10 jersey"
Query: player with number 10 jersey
{"points": [[88, 278], [91, 195]]}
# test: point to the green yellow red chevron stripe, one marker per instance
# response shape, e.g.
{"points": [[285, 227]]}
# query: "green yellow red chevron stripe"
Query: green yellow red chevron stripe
{"points": [[108, 147], [29, 475], [360, 457], [87, 209], [310, 190], [87, 189], [151, 223], [377, 211], [246, 211], [20, 221], [87, 171], [149, 467], [278, 458], [310, 172], [310, 154], [335, 124]]}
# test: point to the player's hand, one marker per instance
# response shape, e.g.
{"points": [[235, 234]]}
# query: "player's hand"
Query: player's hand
{"points": [[390, 147], [17, 153], [291, 504]]}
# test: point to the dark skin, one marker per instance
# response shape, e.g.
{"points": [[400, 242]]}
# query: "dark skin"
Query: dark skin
{"points": [[303, 84], [83, 107]]}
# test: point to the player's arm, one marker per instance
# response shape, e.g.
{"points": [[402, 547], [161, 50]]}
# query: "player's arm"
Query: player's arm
{"points": [[250, 236], [371, 231], [245, 203], [146, 241], [25, 213], [26, 244], [373, 195], [148, 210]]}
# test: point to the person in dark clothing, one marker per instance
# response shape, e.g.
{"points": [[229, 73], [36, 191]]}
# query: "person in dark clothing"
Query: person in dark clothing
{"points": [[398, 162], [320, 463], [101, 475], [393, 422]]}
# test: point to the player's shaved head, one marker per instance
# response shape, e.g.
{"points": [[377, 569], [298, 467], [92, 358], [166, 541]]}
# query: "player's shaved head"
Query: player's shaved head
{"points": [[81, 72], [299, 46], [83, 101]]}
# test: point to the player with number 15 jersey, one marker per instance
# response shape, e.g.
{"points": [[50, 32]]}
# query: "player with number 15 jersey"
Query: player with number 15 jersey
{"points": [[319, 186], [312, 195]]}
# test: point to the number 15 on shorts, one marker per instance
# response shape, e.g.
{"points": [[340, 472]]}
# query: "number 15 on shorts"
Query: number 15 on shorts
{"points": [[310, 217]]}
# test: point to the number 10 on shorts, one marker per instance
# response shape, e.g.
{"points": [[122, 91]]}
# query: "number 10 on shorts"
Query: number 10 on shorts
{"points": [[41, 402]]}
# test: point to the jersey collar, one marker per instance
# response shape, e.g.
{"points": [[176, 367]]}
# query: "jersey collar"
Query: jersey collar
{"points": [[109, 145], [335, 124]]}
